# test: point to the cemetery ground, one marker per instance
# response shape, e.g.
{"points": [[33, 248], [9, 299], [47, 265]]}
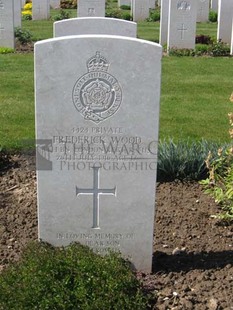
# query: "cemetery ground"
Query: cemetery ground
{"points": [[193, 255], [193, 252]]}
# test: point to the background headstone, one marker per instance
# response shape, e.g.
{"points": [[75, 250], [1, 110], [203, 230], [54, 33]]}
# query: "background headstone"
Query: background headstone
{"points": [[22, 3], [203, 8], [140, 9], [182, 24], [152, 4], [214, 5], [55, 4], [164, 22], [7, 23], [97, 111], [91, 8], [40, 9], [17, 13], [95, 25], [225, 15]]}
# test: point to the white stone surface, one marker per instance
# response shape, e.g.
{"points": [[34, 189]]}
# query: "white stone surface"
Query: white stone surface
{"points": [[95, 25], [164, 22], [17, 13], [55, 4], [225, 15], [203, 8], [140, 9], [214, 5], [152, 4], [40, 9], [91, 8], [7, 23], [182, 24], [97, 105]]}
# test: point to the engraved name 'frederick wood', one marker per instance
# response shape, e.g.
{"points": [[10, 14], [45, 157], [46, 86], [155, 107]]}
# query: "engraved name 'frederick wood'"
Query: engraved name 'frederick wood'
{"points": [[97, 94]]}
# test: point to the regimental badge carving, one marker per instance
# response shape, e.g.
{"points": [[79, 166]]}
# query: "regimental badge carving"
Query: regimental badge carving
{"points": [[97, 94], [183, 5]]}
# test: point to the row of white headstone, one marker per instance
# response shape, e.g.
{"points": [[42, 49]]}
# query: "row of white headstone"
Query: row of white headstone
{"points": [[178, 23]]}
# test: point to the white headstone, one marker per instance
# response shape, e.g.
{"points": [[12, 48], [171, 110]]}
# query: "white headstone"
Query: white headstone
{"points": [[203, 8], [55, 4], [140, 9], [98, 109], [152, 4], [182, 24], [124, 2], [91, 8], [40, 9], [95, 25], [17, 13], [225, 15], [7, 24], [214, 5], [164, 22]]}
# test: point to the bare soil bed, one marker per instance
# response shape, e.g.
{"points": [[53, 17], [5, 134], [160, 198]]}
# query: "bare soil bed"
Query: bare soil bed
{"points": [[193, 253]]}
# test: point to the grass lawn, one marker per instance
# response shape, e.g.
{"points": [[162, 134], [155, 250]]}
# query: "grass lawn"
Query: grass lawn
{"points": [[194, 94]]}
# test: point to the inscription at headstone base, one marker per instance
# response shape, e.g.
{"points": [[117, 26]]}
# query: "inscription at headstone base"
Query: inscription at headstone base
{"points": [[182, 24], [91, 8], [7, 23], [97, 136], [94, 25]]}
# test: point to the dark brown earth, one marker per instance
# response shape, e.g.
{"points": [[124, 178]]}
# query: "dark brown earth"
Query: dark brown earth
{"points": [[193, 252]]}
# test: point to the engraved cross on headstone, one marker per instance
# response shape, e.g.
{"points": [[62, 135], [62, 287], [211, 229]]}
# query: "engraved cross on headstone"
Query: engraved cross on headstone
{"points": [[1, 29], [96, 192], [182, 30]]}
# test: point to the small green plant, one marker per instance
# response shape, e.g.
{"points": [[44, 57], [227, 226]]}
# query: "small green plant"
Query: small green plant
{"points": [[201, 49], [220, 49], [154, 16], [117, 13], [6, 50], [184, 160], [181, 52], [69, 278], [213, 16], [23, 36], [62, 15], [125, 7], [219, 184]]}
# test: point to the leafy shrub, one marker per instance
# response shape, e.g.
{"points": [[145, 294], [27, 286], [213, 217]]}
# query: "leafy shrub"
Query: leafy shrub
{"points": [[220, 49], [213, 16], [181, 52], [69, 278], [6, 50], [125, 7], [62, 15], [26, 15], [117, 13], [23, 36], [68, 4], [201, 49], [203, 39], [219, 184], [184, 160], [154, 16]]}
